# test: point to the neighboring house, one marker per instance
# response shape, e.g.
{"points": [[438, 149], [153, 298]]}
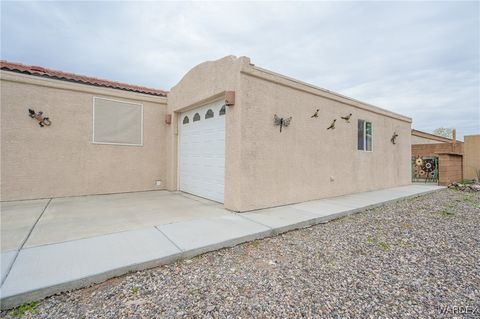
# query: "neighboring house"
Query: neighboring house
{"points": [[448, 154], [419, 137], [212, 135]]}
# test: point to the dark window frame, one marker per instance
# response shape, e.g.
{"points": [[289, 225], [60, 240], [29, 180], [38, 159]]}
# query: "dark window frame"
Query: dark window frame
{"points": [[222, 111], [209, 114]]}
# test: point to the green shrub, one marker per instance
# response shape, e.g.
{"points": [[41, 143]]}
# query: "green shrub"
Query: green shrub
{"points": [[21, 310]]}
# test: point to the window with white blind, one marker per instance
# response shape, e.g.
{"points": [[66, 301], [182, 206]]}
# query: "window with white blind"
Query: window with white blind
{"points": [[117, 122], [364, 137]]}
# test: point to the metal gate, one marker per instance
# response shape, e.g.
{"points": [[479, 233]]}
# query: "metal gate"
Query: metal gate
{"points": [[425, 169]]}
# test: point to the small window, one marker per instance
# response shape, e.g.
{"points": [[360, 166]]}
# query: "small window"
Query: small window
{"points": [[117, 122], [196, 117], [222, 111], [368, 136], [364, 136], [186, 120], [209, 114]]}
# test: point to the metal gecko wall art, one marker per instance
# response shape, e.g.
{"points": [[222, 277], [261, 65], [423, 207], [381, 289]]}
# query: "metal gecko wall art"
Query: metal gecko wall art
{"points": [[42, 121], [280, 121], [394, 138]]}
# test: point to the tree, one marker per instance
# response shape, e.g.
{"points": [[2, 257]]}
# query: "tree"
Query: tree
{"points": [[443, 131]]}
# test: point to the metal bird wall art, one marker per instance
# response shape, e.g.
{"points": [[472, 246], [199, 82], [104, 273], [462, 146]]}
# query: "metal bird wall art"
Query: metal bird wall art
{"points": [[332, 126], [347, 118], [42, 121], [280, 121], [394, 138], [315, 115]]}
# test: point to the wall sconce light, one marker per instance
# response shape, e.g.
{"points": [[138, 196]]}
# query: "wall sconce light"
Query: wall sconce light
{"points": [[168, 118], [229, 98]]}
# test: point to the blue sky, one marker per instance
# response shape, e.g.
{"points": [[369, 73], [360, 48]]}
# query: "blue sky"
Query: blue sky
{"points": [[420, 59]]}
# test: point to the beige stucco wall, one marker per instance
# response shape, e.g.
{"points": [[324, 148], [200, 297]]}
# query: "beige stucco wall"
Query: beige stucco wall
{"points": [[61, 160], [471, 156], [298, 164], [205, 83], [266, 168]]}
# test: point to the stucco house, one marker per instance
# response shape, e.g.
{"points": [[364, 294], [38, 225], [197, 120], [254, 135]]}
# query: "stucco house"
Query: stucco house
{"points": [[229, 131]]}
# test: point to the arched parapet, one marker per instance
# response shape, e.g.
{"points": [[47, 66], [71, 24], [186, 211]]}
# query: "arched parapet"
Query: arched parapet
{"points": [[207, 80]]}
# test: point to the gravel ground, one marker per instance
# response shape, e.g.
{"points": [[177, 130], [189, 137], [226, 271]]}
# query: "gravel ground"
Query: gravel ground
{"points": [[414, 258]]}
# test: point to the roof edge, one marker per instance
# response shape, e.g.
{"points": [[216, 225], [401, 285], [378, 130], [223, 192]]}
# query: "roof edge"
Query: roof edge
{"points": [[76, 78], [432, 136], [22, 78]]}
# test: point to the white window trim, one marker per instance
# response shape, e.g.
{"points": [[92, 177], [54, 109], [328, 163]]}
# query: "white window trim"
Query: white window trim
{"points": [[365, 135], [113, 143]]}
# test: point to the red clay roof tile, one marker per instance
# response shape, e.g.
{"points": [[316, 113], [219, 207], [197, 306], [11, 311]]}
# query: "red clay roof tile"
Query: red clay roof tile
{"points": [[60, 75]]}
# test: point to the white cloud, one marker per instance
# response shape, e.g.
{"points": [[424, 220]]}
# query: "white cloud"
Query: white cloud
{"points": [[420, 59]]}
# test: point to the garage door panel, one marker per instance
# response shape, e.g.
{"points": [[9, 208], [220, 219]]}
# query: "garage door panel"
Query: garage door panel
{"points": [[202, 153]]}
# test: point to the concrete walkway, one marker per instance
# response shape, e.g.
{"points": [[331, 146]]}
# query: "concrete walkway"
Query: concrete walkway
{"points": [[46, 249]]}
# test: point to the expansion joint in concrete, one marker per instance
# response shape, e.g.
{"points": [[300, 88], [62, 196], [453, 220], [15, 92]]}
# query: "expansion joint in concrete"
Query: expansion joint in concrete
{"points": [[25, 241], [169, 239], [253, 221]]}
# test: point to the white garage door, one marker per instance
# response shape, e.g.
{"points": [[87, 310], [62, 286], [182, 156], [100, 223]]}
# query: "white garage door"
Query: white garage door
{"points": [[202, 151]]}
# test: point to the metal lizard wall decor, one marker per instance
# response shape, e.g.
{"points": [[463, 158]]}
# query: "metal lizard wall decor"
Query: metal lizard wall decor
{"points": [[42, 121], [394, 138]]}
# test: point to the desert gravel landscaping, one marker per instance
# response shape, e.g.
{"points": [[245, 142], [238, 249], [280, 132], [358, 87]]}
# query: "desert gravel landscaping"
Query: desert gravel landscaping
{"points": [[417, 258]]}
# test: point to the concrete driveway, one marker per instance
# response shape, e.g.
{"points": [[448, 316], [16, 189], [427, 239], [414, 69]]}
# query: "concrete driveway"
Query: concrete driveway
{"points": [[72, 218], [50, 246]]}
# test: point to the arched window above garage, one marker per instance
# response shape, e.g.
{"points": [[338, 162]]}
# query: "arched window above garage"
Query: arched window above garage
{"points": [[222, 111], [196, 117], [186, 120], [209, 114]]}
